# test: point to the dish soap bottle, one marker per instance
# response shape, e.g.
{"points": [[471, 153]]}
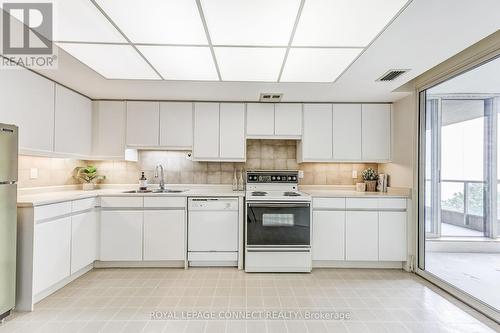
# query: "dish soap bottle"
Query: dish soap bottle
{"points": [[235, 181], [241, 183], [143, 183]]}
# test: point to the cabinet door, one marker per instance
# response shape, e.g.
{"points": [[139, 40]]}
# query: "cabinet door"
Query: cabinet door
{"points": [[361, 235], [288, 119], [376, 126], [73, 123], [347, 132], [27, 100], [317, 138], [143, 124], [328, 235], [260, 119], [392, 236], [176, 125], [232, 131], [108, 128], [121, 235], [164, 235], [206, 131], [83, 240], [51, 253]]}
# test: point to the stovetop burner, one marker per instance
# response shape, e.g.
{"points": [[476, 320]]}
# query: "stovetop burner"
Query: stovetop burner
{"points": [[291, 194], [259, 193]]}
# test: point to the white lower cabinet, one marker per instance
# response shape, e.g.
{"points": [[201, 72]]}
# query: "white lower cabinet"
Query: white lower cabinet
{"points": [[328, 235], [83, 240], [121, 235], [392, 236], [164, 235], [51, 253], [361, 235]]}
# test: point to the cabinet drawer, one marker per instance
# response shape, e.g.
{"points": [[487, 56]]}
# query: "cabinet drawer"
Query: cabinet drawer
{"points": [[84, 204], [329, 203], [122, 202], [362, 203], [51, 211], [165, 202], [392, 203]]}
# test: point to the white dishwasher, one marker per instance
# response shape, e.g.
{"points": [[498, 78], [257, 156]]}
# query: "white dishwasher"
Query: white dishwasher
{"points": [[213, 231]]}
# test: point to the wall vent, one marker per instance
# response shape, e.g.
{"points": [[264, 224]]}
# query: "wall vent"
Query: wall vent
{"points": [[392, 74], [270, 97]]}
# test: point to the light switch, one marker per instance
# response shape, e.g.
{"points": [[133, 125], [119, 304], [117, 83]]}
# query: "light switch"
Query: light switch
{"points": [[354, 173], [33, 173]]}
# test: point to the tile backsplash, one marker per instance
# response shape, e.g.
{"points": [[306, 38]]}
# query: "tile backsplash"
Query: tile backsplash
{"points": [[261, 155]]}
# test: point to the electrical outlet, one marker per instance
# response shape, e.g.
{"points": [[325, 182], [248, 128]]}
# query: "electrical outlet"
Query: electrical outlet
{"points": [[301, 174], [354, 174], [33, 173]]}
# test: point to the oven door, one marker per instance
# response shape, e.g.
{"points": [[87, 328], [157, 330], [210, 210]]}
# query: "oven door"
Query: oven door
{"points": [[278, 224]]}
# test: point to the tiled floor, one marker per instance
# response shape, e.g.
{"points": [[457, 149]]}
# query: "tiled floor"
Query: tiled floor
{"points": [[122, 300], [476, 273]]}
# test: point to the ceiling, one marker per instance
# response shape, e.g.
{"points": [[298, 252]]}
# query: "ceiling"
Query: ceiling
{"points": [[232, 50]]}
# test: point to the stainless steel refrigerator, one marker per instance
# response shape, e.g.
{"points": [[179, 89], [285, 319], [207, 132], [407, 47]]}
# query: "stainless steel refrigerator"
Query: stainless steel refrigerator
{"points": [[8, 217]]}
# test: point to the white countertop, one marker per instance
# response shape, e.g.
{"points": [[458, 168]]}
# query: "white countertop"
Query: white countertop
{"points": [[50, 195]]}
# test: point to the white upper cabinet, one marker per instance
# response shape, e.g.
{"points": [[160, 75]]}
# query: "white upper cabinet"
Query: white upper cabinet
{"points": [[347, 132], [376, 129], [288, 120], [317, 138], [232, 131], [27, 100], [143, 124], [73, 123], [176, 125], [206, 131], [108, 129], [260, 119]]}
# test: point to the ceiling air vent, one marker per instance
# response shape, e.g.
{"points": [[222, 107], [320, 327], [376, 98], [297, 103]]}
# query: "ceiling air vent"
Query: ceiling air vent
{"points": [[270, 97], [392, 74]]}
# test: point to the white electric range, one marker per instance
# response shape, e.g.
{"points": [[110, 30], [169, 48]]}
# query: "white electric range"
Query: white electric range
{"points": [[278, 223]]}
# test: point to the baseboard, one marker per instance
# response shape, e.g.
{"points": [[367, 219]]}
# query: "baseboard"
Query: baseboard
{"points": [[357, 264], [139, 264]]}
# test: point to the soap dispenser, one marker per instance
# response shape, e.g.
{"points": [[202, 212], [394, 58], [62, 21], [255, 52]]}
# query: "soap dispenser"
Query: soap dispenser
{"points": [[143, 183]]}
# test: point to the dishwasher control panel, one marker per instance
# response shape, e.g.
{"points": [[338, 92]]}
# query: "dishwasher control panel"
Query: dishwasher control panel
{"points": [[213, 204]]}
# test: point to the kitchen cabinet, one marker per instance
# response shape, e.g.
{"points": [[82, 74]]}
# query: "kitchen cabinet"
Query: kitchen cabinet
{"points": [[73, 123], [316, 145], [376, 129], [51, 253], [206, 131], [260, 119], [328, 235], [83, 240], [392, 236], [361, 235], [347, 132], [164, 235], [176, 125], [143, 124], [28, 102], [121, 235], [108, 129], [288, 120], [232, 131]]}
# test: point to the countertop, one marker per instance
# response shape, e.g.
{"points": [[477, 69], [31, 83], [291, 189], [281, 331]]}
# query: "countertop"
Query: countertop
{"points": [[50, 195]]}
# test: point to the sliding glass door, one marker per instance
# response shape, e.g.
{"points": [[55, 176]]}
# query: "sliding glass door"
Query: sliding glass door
{"points": [[459, 184]]}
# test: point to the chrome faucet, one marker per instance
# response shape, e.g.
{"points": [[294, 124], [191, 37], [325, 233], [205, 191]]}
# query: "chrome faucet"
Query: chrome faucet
{"points": [[162, 176]]}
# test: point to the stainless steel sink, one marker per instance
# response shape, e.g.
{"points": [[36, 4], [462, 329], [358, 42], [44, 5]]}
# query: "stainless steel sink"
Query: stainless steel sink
{"points": [[168, 190], [138, 191]]}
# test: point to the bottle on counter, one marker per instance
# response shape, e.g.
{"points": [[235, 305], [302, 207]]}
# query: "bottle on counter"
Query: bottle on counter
{"points": [[235, 181], [143, 183], [241, 183]]}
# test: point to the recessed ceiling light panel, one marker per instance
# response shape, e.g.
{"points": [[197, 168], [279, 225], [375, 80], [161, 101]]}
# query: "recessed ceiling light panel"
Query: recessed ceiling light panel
{"points": [[181, 62], [256, 22], [317, 65], [344, 22], [112, 61], [249, 63], [157, 21]]}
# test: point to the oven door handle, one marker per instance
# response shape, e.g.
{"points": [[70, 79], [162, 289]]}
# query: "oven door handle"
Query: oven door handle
{"points": [[279, 205]]}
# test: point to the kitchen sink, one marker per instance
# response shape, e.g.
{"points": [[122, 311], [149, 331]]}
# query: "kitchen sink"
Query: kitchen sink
{"points": [[168, 190], [138, 191]]}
